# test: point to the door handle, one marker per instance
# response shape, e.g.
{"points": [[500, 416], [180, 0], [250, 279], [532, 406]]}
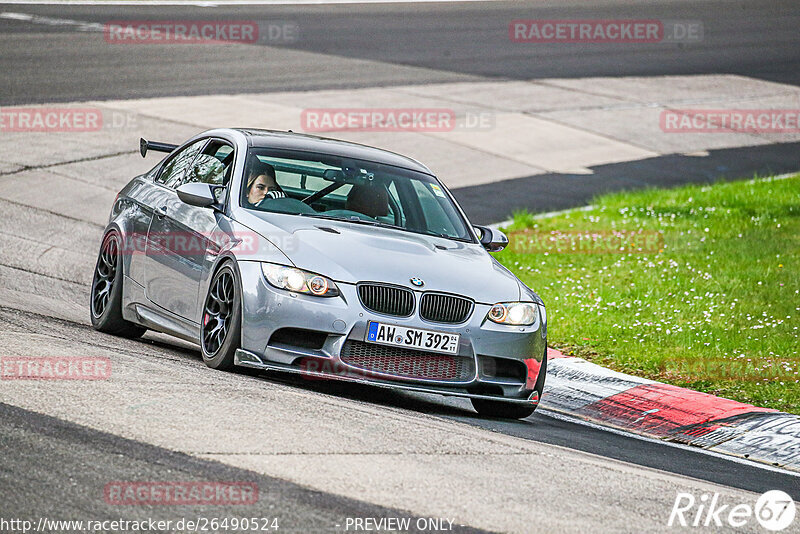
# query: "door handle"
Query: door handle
{"points": [[161, 212]]}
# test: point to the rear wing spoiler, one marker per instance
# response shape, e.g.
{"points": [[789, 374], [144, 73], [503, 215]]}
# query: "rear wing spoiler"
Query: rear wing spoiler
{"points": [[145, 145]]}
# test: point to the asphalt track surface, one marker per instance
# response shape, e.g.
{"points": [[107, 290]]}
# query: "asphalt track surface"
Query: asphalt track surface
{"points": [[410, 43], [52, 466], [46, 473], [400, 44]]}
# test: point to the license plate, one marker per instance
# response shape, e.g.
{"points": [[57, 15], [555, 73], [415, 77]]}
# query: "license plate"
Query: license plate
{"points": [[413, 338]]}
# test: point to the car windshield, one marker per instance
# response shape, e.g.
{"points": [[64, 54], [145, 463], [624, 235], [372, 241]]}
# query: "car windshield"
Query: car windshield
{"points": [[356, 191]]}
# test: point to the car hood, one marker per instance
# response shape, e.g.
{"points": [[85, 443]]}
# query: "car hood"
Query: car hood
{"points": [[352, 253]]}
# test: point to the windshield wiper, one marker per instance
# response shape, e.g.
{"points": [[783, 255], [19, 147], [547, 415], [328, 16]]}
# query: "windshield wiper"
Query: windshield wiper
{"points": [[355, 220], [320, 216], [446, 236]]}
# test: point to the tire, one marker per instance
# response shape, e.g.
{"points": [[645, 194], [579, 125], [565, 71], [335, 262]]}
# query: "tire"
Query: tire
{"points": [[105, 298], [221, 324], [507, 410]]}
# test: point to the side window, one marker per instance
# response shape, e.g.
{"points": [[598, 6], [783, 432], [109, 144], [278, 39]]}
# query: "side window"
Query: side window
{"points": [[176, 167], [213, 166]]}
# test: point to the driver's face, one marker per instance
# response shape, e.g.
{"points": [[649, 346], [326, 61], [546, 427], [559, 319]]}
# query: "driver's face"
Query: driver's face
{"points": [[259, 188]]}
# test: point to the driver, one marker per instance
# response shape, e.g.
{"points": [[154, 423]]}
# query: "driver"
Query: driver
{"points": [[261, 184]]}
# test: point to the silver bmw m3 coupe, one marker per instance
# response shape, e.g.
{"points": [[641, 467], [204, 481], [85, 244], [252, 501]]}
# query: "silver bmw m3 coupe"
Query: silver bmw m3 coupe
{"points": [[293, 253]]}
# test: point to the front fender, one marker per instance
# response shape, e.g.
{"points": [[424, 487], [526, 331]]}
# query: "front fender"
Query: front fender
{"points": [[236, 243]]}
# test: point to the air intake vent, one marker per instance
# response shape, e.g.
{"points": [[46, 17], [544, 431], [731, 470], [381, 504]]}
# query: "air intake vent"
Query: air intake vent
{"points": [[407, 363], [386, 299], [441, 308]]}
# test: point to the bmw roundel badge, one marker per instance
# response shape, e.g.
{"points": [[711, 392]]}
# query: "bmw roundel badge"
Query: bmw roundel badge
{"points": [[417, 282]]}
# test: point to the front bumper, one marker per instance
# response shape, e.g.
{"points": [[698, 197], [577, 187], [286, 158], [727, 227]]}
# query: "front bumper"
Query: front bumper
{"points": [[484, 347], [248, 359]]}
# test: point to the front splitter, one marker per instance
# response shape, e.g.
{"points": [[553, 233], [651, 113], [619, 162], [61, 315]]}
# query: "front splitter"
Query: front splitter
{"points": [[251, 360]]}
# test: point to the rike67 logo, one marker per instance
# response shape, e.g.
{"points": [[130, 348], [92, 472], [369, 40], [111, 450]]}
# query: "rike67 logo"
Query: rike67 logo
{"points": [[774, 510]]}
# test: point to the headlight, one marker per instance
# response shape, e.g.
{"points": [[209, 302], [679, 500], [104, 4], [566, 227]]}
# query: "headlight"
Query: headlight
{"points": [[514, 313], [298, 281]]}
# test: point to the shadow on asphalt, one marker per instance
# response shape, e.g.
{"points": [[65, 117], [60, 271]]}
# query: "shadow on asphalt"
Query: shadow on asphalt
{"points": [[547, 430], [490, 203], [372, 394], [541, 428]]}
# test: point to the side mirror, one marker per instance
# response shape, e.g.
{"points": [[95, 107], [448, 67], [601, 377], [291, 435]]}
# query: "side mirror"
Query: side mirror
{"points": [[197, 194], [492, 240]]}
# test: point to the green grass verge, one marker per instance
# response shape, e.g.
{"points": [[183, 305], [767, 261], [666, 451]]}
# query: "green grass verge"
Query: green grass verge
{"points": [[714, 307]]}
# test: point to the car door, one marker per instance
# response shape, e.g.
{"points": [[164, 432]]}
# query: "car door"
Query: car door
{"points": [[145, 196], [179, 238]]}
